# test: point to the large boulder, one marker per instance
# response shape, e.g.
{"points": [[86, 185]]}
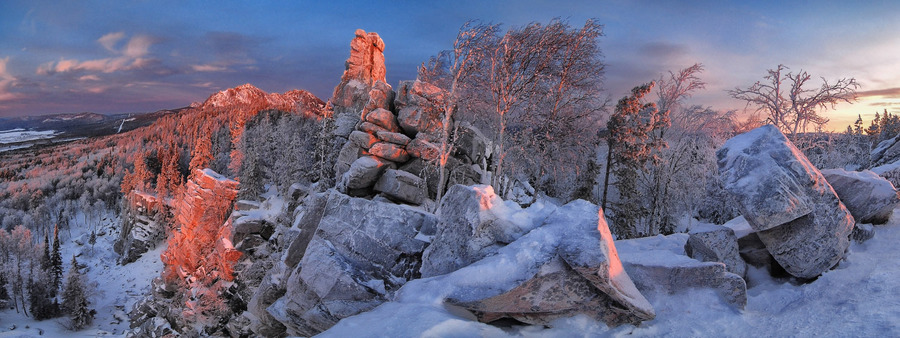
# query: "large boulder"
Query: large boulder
{"points": [[568, 266], [420, 106], [869, 197], [793, 209], [401, 185], [389, 151], [658, 265], [471, 144], [307, 221], [272, 287], [383, 118], [468, 230], [361, 251], [715, 243]]}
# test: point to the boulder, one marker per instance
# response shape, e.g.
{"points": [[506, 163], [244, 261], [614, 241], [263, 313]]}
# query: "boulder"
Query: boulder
{"points": [[362, 139], [566, 267], [428, 173], [658, 265], [470, 143], [786, 200], [248, 225], [401, 185], [361, 251], [395, 138], [715, 243], [467, 231], [371, 128], [270, 289], [363, 173], [420, 107], [383, 118], [869, 197], [381, 96], [349, 153], [307, 221], [422, 148], [862, 232], [389, 151]]}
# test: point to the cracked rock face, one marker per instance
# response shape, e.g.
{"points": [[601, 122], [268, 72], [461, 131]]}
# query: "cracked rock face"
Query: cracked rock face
{"points": [[786, 200]]}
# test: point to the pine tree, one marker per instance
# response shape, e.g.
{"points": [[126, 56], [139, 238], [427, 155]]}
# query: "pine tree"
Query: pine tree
{"points": [[45, 258], [40, 298], [4, 294], [75, 302], [55, 263]]}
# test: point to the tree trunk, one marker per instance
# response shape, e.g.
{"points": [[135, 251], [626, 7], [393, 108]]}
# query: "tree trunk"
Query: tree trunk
{"points": [[606, 178]]}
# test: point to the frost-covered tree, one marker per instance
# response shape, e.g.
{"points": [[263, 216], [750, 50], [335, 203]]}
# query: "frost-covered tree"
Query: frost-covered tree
{"points": [[56, 269], [631, 146], [790, 104], [75, 302]]}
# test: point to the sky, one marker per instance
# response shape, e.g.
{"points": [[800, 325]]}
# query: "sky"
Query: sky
{"points": [[143, 56]]}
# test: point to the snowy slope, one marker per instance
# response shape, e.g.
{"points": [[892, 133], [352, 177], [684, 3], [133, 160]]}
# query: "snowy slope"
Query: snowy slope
{"points": [[117, 287], [858, 298]]}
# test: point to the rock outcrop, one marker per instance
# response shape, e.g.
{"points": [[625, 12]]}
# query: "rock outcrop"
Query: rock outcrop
{"points": [[140, 232], [786, 200], [360, 252], [869, 197]]}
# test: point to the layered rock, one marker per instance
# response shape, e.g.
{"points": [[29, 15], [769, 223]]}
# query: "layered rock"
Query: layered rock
{"points": [[420, 106], [360, 251], [140, 232], [786, 200], [658, 265], [869, 197]]}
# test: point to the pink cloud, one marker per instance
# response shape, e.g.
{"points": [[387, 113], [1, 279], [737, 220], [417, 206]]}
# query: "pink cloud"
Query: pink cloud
{"points": [[208, 68], [131, 56]]}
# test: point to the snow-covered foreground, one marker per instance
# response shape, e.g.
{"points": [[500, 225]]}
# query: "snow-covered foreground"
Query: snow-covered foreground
{"points": [[857, 298], [117, 287]]}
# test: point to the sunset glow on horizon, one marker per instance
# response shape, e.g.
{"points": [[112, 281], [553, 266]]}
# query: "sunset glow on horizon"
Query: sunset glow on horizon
{"points": [[114, 57]]}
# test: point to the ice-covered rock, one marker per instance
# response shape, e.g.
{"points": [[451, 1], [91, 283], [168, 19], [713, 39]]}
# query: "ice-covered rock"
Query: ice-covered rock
{"points": [[566, 267], [360, 251], [401, 185], [786, 200], [659, 265], [869, 197], [715, 243], [467, 231]]}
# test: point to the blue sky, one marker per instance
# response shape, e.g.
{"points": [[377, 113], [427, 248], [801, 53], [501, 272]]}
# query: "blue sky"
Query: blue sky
{"points": [[135, 56]]}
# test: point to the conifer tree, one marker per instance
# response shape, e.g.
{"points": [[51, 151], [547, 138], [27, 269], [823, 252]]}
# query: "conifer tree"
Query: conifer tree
{"points": [[75, 302], [45, 258], [55, 262]]}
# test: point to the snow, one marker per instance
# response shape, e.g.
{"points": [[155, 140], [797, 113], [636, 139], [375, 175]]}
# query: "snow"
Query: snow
{"points": [[21, 135], [880, 170], [857, 298], [117, 287]]}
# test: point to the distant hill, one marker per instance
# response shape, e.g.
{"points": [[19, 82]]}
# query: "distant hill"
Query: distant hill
{"points": [[71, 125]]}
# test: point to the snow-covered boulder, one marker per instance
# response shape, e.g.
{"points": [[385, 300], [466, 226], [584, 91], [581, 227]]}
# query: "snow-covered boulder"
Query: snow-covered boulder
{"points": [[715, 243], [360, 252], [468, 230], [658, 265], [401, 185], [306, 221], [793, 209], [869, 197]]}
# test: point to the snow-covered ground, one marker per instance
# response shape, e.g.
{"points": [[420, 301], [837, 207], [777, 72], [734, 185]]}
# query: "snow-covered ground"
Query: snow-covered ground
{"points": [[22, 135], [858, 298], [117, 287]]}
